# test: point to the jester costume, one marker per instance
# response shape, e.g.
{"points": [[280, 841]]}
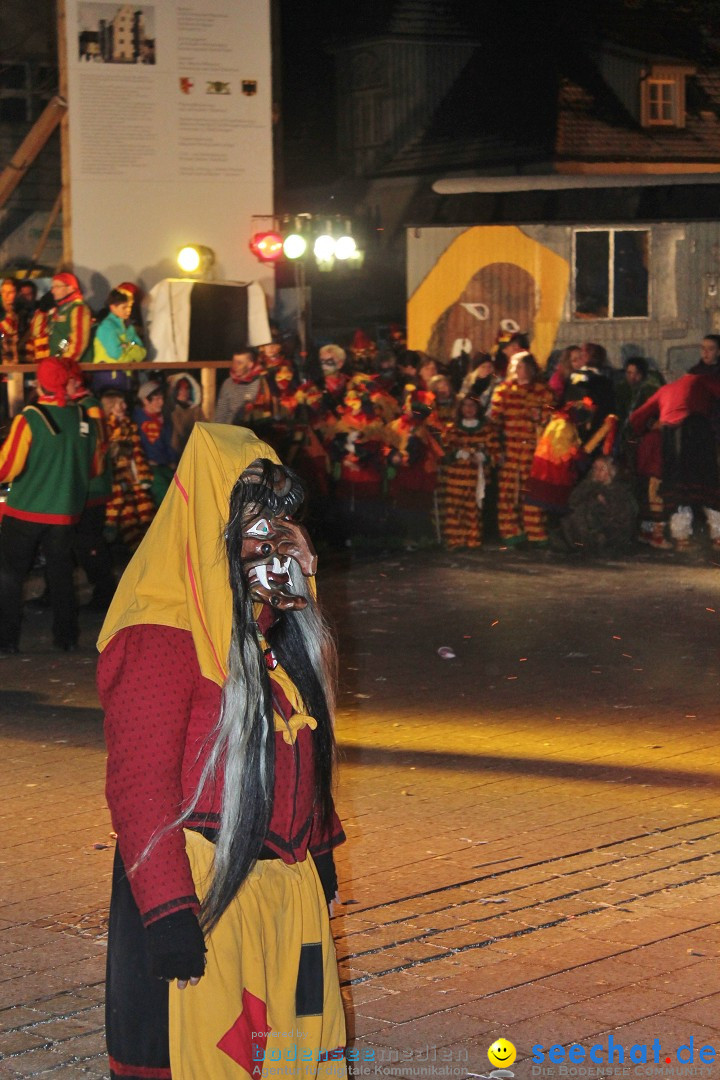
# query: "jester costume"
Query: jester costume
{"points": [[131, 507], [66, 329], [561, 455], [356, 449], [471, 449], [519, 413], [413, 453], [555, 466], [218, 725]]}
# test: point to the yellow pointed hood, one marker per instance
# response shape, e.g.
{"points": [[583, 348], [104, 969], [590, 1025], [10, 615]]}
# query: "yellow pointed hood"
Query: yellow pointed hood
{"points": [[179, 574]]}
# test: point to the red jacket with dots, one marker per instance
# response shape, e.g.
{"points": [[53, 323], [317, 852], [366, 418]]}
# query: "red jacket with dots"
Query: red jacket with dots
{"points": [[159, 711]]}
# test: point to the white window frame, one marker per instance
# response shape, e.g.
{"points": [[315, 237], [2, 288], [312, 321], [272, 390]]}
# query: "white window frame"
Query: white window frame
{"points": [[611, 229]]}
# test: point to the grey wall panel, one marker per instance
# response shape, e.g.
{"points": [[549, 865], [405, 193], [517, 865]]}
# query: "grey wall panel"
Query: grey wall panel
{"points": [[683, 259]]}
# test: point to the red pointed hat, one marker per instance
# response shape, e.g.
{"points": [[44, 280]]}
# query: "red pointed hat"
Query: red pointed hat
{"points": [[66, 278]]}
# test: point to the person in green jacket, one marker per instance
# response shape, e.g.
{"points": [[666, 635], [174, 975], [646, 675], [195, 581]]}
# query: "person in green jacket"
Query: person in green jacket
{"points": [[117, 340], [49, 456]]}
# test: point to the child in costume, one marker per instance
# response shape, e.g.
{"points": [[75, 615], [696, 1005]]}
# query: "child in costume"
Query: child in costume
{"points": [[471, 448], [130, 508], [156, 433], [117, 339], [216, 677]]}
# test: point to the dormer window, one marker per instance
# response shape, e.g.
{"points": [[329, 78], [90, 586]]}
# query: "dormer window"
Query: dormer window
{"points": [[661, 101], [662, 92]]}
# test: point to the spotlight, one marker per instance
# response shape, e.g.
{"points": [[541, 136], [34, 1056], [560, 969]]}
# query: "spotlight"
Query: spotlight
{"points": [[195, 259], [294, 246], [266, 246], [345, 248], [324, 248], [188, 259]]}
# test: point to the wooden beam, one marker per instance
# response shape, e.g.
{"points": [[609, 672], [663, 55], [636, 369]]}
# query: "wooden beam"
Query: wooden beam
{"points": [[52, 218], [168, 366], [65, 178], [14, 378], [208, 382], [30, 147]]}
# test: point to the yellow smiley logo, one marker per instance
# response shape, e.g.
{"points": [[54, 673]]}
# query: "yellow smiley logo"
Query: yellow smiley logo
{"points": [[501, 1053]]}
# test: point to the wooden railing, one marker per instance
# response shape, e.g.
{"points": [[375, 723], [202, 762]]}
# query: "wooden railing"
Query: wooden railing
{"points": [[207, 368]]}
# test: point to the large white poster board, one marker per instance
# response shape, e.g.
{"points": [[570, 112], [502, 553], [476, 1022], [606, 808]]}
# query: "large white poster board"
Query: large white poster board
{"points": [[170, 135]]}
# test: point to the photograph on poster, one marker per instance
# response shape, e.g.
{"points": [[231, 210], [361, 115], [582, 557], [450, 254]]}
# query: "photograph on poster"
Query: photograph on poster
{"points": [[116, 33]]}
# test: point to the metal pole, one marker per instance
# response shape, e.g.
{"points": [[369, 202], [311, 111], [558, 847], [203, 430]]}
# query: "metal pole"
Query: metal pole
{"points": [[301, 316], [15, 392]]}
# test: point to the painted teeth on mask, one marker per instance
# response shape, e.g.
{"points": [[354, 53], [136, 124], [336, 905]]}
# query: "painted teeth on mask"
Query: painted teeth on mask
{"points": [[260, 574]]}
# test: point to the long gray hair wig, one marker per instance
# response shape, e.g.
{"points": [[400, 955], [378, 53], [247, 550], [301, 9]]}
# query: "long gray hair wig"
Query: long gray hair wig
{"points": [[244, 737]]}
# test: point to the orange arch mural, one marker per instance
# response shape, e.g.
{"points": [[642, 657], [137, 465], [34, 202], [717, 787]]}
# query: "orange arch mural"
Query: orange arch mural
{"points": [[497, 272]]}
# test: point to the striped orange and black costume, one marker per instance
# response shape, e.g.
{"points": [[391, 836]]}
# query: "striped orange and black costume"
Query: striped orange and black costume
{"points": [[468, 449], [130, 508], [519, 413]]}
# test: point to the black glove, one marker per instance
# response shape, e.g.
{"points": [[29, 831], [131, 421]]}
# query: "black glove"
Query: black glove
{"points": [[176, 946], [327, 873]]}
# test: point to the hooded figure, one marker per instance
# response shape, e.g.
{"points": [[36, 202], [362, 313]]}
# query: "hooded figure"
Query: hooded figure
{"points": [[185, 408], [216, 677]]}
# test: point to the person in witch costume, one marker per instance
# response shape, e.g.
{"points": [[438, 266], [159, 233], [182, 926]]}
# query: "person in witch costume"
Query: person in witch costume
{"points": [[216, 675]]}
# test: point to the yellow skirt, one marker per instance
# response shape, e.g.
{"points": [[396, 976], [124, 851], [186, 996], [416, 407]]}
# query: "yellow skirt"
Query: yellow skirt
{"points": [[269, 1003]]}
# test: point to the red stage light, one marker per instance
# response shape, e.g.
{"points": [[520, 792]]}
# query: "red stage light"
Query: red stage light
{"points": [[266, 246]]}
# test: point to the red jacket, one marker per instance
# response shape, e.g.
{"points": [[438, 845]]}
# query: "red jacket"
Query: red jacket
{"points": [[159, 711], [690, 395]]}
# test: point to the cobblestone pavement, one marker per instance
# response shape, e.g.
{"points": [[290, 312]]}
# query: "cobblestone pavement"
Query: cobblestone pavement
{"points": [[533, 821]]}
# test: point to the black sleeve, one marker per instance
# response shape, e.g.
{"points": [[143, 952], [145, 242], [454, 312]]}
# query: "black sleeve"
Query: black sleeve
{"points": [[327, 873]]}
